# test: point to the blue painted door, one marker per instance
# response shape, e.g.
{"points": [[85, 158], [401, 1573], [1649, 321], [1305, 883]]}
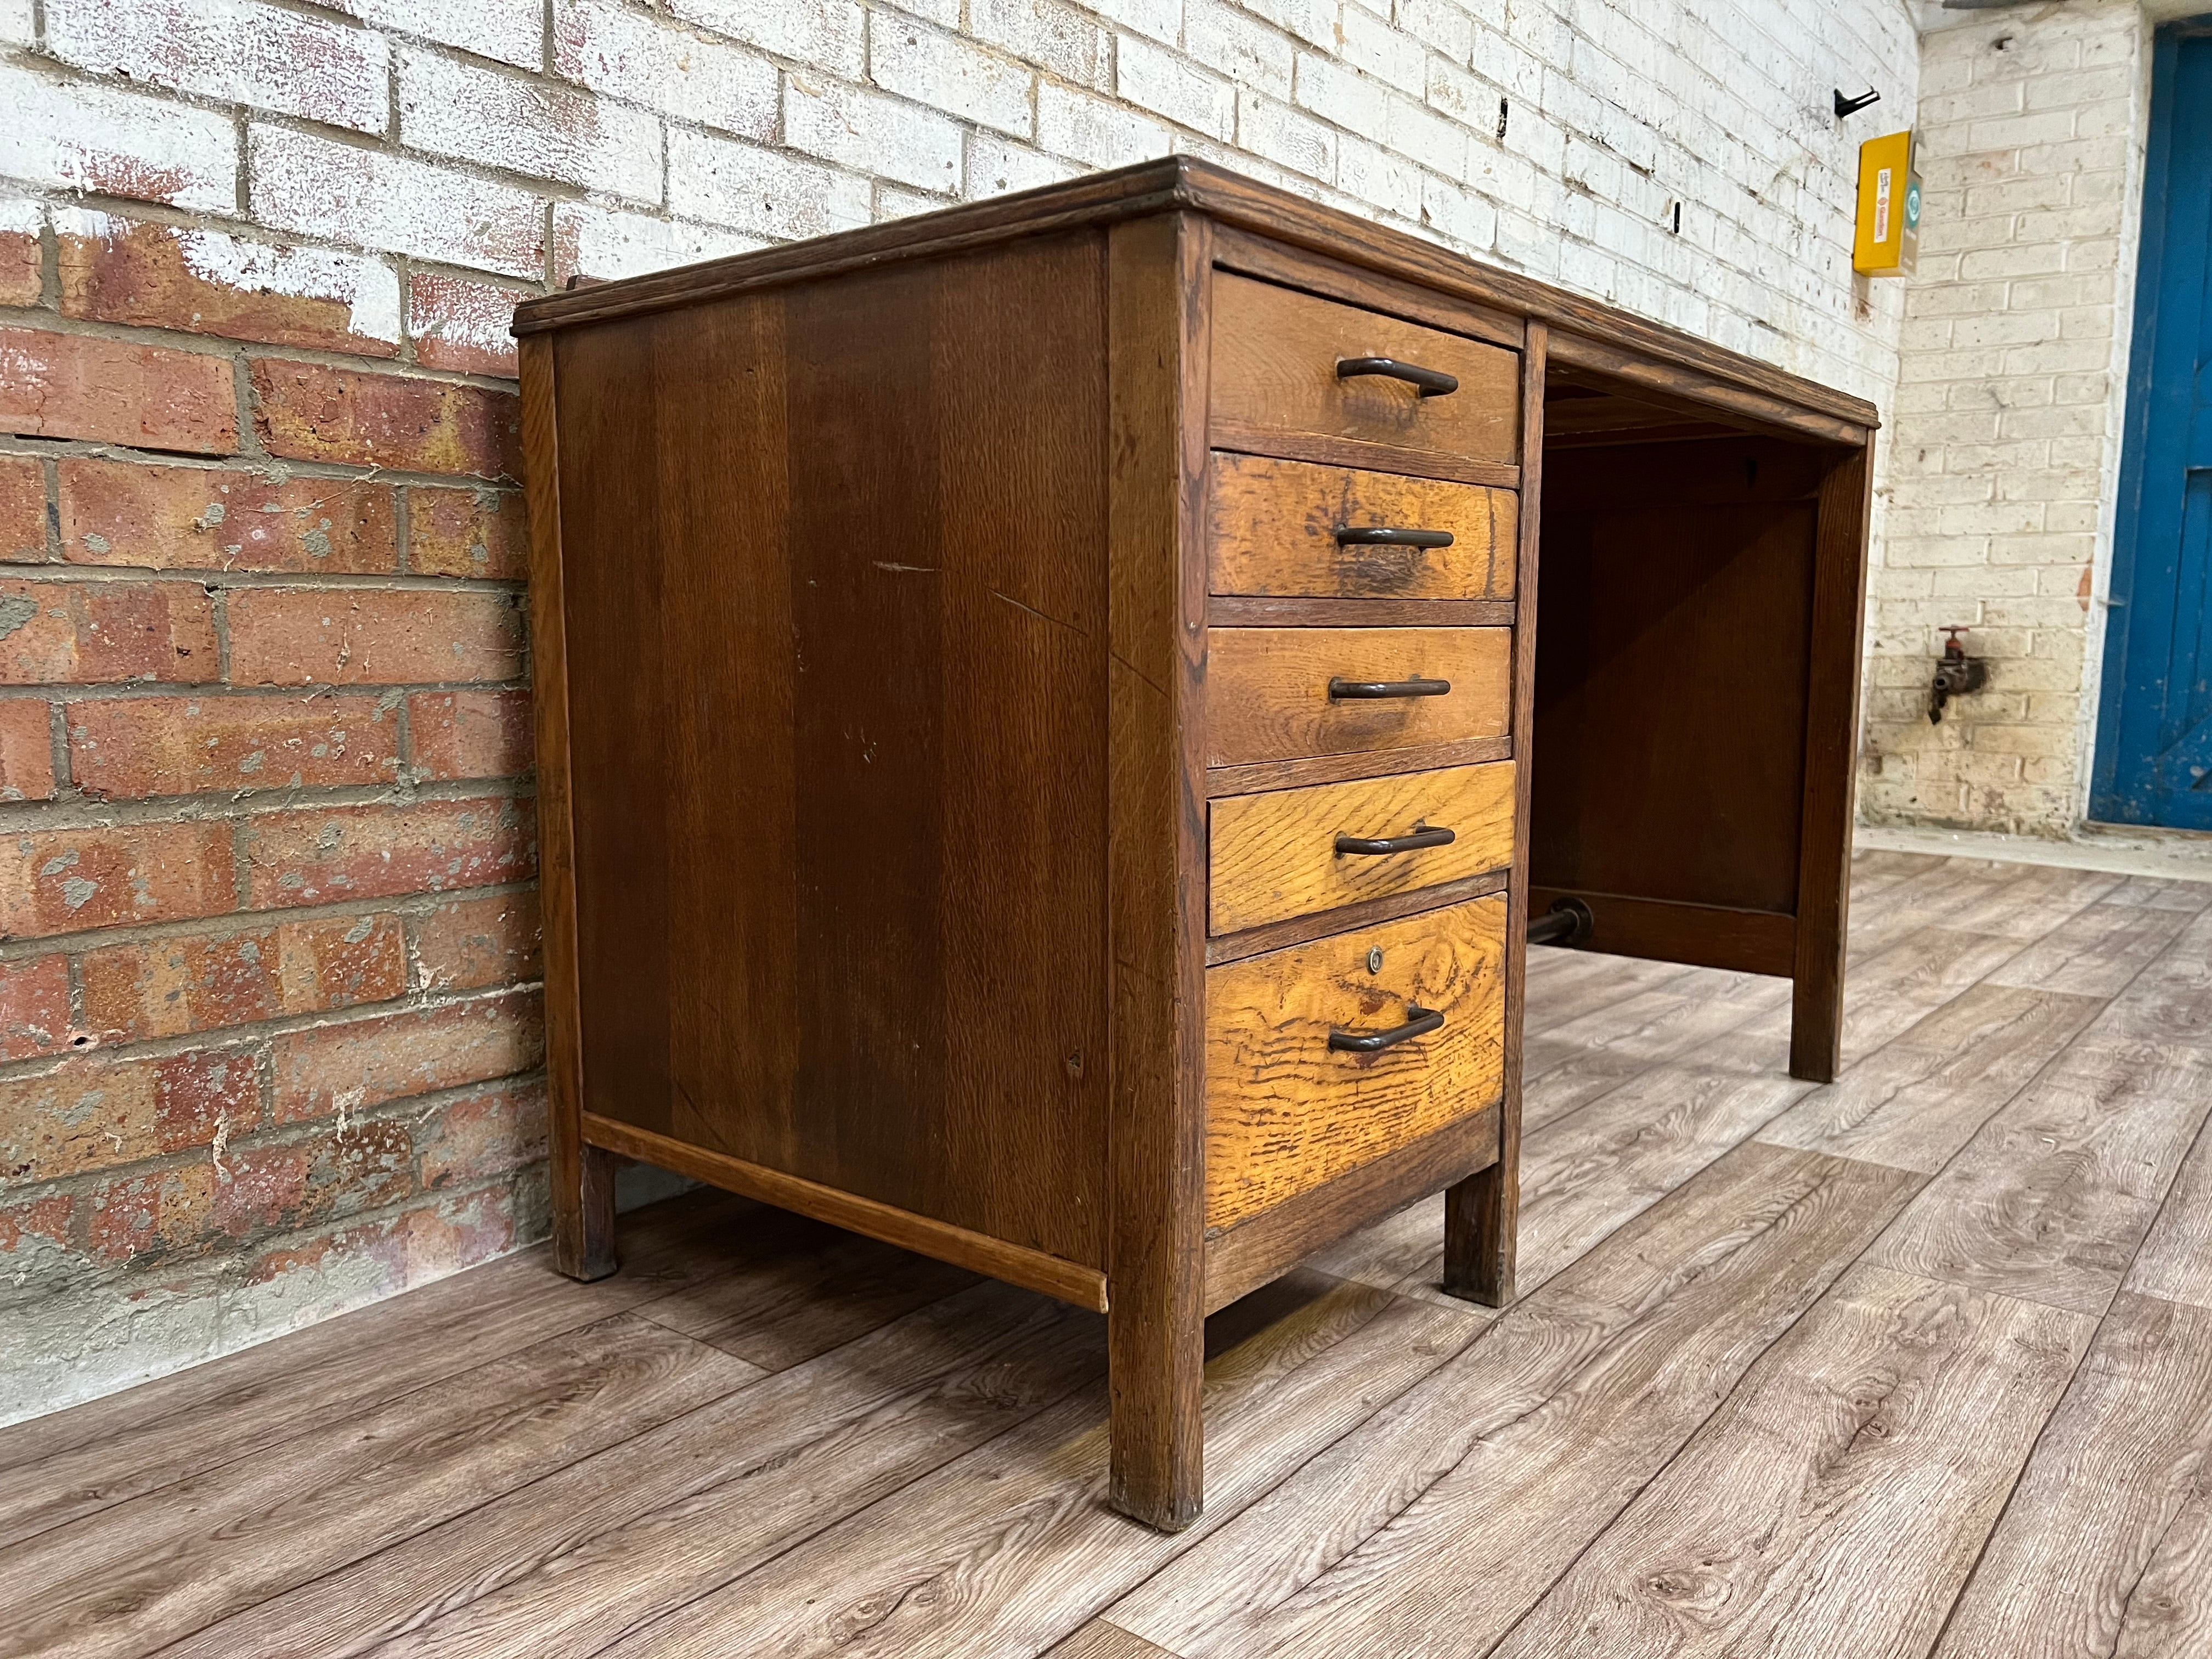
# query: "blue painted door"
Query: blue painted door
{"points": [[2154, 728]]}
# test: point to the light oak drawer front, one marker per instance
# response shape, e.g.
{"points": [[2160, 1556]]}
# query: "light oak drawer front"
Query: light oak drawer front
{"points": [[1296, 530], [1269, 692], [1274, 856], [1275, 357], [1285, 1111]]}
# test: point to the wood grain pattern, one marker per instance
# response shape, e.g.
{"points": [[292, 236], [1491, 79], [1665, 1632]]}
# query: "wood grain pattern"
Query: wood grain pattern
{"points": [[2095, 952], [1363, 286], [1338, 769], [1100, 1640], [1429, 1532], [2053, 1193], [1300, 930], [1157, 293], [1667, 570], [1668, 930], [2105, 1545], [1836, 1502], [906, 1037], [1271, 529], [1071, 1281], [2174, 1261], [1482, 1213], [1271, 699], [1241, 1259], [1274, 856], [1915, 1101], [1012, 1546], [1690, 367], [1831, 781], [824, 1287], [1275, 352], [2170, 1000], [1286, 1112], [582, 1182], [165, 1564], [246, 1404], [1358, 613], [557, 1569]]}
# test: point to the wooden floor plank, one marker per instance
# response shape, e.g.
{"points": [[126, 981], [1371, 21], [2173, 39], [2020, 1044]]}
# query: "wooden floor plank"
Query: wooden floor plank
{"points": [[2170, 1000], [2096, 951], [2165, 893], [2175, 1260], [1438, 1524], [1564, 985], [1887, 993], [564, 1565], [1834, 1504], [1918, 1099], [147, 1572], [827, 1288], [1100, 1640], [2051, 1198], [1011, 1547], [2106, 1545], [1576, 1064], [1582, 1174], [95, 1455]]}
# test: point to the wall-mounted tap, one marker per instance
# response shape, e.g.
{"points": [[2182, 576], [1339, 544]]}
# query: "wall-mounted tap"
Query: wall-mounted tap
{"points": [[1956, 674]]}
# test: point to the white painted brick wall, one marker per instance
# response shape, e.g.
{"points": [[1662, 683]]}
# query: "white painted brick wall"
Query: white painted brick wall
{"points": [[2004, 445], [528, 141]]}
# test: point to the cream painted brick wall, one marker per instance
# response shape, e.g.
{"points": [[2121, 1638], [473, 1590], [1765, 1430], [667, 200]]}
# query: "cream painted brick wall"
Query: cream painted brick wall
{"points": [[2004, 445], [644, 132]]}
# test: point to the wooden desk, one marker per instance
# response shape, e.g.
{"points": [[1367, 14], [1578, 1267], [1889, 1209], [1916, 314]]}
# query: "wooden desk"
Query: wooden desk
{"points": [[1035, 731]]}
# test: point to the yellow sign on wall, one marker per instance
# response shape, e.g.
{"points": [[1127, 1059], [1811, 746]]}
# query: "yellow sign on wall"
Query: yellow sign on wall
{"points": [[1888, 240]]}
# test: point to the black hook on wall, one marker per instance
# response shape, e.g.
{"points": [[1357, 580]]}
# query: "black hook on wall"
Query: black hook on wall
{"points": [[1853, 105]]}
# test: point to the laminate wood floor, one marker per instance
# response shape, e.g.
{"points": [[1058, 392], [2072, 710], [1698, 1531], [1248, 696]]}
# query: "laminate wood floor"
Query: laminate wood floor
{"points": [[1916, 1363]]}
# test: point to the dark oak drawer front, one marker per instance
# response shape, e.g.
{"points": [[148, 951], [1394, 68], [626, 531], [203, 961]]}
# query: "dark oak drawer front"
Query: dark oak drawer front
{"points": [[1296, 530], [1295, 852], [1285, 1111], [1275, 358], [1268, 689]]}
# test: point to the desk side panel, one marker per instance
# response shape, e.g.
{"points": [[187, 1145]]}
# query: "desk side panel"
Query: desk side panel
{"points": [[837, 650]]}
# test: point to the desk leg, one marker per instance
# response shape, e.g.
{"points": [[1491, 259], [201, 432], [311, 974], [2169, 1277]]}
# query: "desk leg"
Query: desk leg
{"points": [[1481, 1214], [1155, 1361], [583, 1209], [1816, 1004]]}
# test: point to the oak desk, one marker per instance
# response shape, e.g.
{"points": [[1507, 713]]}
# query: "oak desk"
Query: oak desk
{"points": [[1044, 751]]}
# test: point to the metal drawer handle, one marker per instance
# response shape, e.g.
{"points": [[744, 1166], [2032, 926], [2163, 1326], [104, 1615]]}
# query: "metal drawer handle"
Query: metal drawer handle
{"points": [[1424, 1021], [1416, 687], [1383, 535], [1433, 382], [1422, 836]]}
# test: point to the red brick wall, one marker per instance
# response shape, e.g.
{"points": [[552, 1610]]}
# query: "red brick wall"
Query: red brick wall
{"points": [[270, 1024]]}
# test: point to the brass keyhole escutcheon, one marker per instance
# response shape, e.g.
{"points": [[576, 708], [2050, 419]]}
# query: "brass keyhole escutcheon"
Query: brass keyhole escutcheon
{"points": [[1375, 960]]}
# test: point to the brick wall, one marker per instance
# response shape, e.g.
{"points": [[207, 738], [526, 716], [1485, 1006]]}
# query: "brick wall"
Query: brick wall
{"points": [[2006, 437], [266, 929]]}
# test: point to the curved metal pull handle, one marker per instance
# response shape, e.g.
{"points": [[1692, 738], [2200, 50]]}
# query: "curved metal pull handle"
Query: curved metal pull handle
{"points": [[1383, 535], [1422, 836], [1424, 1021], [1433, 382], [1416, 687]]}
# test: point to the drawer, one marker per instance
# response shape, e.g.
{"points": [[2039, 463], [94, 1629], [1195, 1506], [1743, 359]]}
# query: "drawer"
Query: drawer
{"points": [[1285, 1111], [1274, 856], [1294, 529], [1268, 689], [1274, 370]]}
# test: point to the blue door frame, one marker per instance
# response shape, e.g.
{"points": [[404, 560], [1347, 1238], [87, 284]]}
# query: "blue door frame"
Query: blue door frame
{"points": [[2153, 764]]}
